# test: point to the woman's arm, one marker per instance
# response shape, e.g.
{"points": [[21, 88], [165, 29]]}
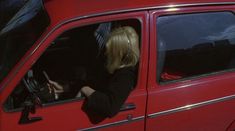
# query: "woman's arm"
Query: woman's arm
{"points": [[55, 88], [87, 91]]}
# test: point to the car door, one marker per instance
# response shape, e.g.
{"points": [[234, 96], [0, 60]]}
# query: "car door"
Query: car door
{"points": [[68, 115], [191, 70]]}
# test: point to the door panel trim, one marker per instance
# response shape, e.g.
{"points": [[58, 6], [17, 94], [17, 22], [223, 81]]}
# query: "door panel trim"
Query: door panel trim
{"points": [[191, 106], [113, 124]]}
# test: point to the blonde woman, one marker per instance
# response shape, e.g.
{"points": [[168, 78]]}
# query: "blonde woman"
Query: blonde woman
{"points": [[122, 51]]}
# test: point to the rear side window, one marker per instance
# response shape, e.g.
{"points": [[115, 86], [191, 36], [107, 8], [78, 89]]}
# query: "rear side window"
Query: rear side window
{"points": [[195, 44]]}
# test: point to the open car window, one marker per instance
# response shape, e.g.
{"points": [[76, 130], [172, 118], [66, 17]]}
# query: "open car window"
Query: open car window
{"points": [[75, 57]]}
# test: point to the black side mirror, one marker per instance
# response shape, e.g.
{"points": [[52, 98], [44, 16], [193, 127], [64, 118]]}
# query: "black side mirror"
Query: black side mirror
{"points": [[29, 107]]}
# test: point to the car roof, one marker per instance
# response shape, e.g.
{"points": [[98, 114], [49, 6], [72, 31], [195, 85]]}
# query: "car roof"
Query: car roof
{"points": [[62, 10]]}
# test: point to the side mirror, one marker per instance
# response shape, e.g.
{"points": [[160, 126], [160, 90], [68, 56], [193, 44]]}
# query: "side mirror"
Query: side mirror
{"points": [[29, 107]]}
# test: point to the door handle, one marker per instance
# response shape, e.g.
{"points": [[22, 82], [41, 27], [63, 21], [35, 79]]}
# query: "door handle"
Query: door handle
{"points": [[128, 106]]}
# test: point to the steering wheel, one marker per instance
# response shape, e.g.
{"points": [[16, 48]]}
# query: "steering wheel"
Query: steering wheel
{"points": [[32, 86]]}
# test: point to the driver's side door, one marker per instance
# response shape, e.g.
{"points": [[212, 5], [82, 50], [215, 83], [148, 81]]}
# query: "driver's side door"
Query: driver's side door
{"points": [[66, 114]]}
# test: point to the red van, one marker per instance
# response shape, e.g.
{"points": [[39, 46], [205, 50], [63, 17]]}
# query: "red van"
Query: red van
{"points": [[186, 72]]}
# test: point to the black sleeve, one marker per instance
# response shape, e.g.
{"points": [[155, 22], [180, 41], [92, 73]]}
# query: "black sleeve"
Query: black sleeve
{"points": [[109, 103]]}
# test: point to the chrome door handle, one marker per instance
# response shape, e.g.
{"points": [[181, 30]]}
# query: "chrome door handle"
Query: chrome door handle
{"points": [[128, 106]]}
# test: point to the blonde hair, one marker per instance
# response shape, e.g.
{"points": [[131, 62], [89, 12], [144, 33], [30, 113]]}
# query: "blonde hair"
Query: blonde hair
{"points": [[122, 48]]}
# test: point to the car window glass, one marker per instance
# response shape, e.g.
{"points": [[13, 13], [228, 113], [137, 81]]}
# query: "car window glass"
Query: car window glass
{"points": [[20, 28], [72, 59], [195, 44]]}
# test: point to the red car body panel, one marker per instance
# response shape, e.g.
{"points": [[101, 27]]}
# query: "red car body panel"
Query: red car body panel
{"points": [[61, 10], [185, 105], [176, 106]]}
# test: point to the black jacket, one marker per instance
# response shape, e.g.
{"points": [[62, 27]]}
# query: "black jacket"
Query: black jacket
{"points": [[107, 100]]}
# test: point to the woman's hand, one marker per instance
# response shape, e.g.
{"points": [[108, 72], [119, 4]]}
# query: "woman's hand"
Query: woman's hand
{"points": [[87, 91], [55, 88]]}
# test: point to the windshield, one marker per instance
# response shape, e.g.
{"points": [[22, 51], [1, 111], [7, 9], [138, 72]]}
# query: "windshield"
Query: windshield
{"points": [[20, 33], [8, 9]]}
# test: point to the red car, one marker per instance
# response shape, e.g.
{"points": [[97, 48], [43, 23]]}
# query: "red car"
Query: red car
{"points": [[186, 72]]}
